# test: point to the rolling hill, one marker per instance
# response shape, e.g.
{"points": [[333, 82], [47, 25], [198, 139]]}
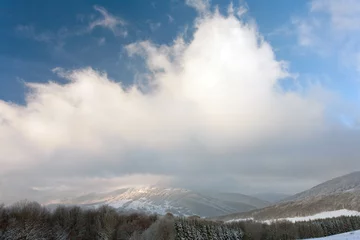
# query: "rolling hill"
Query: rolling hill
{"points": [[336, 194], [181, 202]]}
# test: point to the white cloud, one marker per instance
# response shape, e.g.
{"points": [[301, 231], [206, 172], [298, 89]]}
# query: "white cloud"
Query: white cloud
{"points": [[102, 41], [154, 25], [213, 107], [328, 20], [344, 14], [29, 31], [202, 6], [239, 11], [306, 29], [170, 18], [107, 20], [331, 28]]}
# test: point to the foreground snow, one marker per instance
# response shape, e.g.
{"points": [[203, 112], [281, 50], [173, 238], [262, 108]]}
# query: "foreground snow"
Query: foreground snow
{"points": [[322, 215], [355, 235]]}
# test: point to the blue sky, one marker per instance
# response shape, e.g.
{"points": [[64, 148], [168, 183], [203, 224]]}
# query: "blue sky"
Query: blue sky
{"points": [[25, 57], [39, 37], [120, 93]]}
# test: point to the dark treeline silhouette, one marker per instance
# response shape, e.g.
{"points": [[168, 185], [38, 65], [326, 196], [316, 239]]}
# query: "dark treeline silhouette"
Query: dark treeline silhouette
{"points": [[299, 230], [191, 228], [31, 221]]}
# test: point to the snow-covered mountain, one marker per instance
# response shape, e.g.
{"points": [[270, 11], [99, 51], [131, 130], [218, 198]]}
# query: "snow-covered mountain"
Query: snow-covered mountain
{"points": [[238, 197], [158, 200], [336, 194], [349, 183], [271, 197]]}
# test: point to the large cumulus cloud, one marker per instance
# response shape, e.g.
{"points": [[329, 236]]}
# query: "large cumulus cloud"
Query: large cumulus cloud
{"points": [[212, 110]]}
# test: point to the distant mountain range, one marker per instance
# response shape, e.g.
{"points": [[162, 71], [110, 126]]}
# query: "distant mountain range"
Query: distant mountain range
{"points": [[336, 194], [181, 202], [271, 197], [349, 183]]}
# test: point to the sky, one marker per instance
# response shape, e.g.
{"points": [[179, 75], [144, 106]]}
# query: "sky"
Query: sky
{"points": [[238, 96]]}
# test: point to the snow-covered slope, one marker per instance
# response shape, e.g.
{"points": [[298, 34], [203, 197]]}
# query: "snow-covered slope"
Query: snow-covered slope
{"points": [[162, 200], [322, 215], [355, 235], [336, 194], [349, 183]]}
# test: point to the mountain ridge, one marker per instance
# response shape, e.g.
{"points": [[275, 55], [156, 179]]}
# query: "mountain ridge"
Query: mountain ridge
{"points": [[338, 193], [160, 200], [345, 183]]}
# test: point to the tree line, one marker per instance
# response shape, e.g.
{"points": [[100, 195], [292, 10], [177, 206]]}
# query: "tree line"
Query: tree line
{"points": [[286, 230], [31, 221]]}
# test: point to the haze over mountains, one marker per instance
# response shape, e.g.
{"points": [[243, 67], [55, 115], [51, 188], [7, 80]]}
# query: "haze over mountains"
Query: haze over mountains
{"points": [[349, 183], [271, 197], [336, 194], [181, 202]]}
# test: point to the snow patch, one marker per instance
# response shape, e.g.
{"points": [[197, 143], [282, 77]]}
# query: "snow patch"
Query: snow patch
{"points": [[119, 203], [355, 235], [322, 215], [241, 220]]}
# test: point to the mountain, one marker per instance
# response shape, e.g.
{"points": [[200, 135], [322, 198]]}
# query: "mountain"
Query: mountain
{"points": [[181, 202], [238, 197], [349, 183], [339, 193], [271, 197]]}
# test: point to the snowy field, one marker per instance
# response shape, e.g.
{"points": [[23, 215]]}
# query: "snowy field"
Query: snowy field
{"points": [[355, 235], [322, 215]]}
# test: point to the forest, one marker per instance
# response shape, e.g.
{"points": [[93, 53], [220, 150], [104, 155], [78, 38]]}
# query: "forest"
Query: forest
{"points": [[30, 220]]}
